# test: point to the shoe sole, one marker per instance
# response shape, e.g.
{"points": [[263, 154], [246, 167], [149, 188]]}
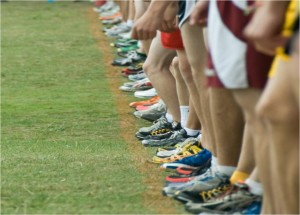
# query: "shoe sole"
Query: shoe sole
{"points": [[175, 166]]}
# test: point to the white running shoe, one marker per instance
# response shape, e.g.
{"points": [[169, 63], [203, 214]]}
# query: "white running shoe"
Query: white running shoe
{"points": [[146, 93]]}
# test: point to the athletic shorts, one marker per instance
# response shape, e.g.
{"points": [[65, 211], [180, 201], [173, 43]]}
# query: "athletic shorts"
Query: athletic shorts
{"points": [[235, 62], [185, 10], [172, 40]]}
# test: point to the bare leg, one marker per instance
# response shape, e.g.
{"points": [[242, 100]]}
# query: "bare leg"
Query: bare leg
{"points": [[131, 10], [195, 49], [157, 69], [247, 100], [228, 125], [182, 91], [123, 8], [281, 112], [140, 8], [182, 69]]}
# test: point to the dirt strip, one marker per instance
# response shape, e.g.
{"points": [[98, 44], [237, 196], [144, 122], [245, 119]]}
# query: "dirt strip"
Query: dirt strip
{"points": [[152, 176]]}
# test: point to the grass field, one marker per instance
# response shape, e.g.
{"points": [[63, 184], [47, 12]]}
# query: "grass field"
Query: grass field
{"points": [[67, 141]]}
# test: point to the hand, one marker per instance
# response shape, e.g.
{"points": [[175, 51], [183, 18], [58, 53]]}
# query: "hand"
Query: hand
{"points": [[169, 23], [200, 13], [264, 30], [145, 27]]}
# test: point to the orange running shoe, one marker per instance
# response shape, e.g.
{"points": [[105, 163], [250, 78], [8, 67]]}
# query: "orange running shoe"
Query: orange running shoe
{"points": [[148, 102], [118, 14]]}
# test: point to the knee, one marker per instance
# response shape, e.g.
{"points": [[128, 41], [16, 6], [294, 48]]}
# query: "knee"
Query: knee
{"points": [[196, 63], [186, 72], [264, 109], [152, 67], [175, 63], [274, 111], [148, 67], [175, 67]]}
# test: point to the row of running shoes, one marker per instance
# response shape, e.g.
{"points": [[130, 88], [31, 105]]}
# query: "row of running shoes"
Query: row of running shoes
{"points": [[196, 183]]}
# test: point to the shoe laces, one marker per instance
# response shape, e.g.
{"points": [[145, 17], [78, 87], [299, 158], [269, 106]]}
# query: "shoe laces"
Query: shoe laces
{"points": [[188, 141], [213, 193], [160, 131], [175, 134], [235, 189]]}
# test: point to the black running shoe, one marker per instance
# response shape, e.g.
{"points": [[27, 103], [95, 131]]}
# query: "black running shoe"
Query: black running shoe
{"points": [[160, 129], [235, 200], [176, 137]]}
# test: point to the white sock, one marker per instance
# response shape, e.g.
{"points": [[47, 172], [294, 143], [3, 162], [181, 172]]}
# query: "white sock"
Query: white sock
{"points": [[227, 170], [184, 114], [129, 22], [191, 132], [169, 117], [214, 163], [254, 187]]}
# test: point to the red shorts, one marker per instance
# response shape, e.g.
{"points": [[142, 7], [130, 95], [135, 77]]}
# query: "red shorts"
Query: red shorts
{"points": [[172, 40]]}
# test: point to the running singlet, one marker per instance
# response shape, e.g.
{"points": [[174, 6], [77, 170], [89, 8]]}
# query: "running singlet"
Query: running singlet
{"points": [[236, 62]]}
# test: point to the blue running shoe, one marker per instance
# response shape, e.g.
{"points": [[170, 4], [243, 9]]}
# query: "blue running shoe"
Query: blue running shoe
{"points": [[254, 208], [203, 158]]}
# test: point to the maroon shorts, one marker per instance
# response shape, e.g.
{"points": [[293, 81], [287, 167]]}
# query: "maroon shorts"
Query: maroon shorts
{"points": [[172, 40]]}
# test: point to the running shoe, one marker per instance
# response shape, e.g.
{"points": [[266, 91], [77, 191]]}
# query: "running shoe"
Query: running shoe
{"points": [[253, 208], [155, 112], [163, 133], [126, 73], [202, 159], [194, 197], [160, 126], [134, 58], [139, 86], [109, 5], [142, 107], [148, 102], [138, 76], [145, 94], [188, 151], [122, 62], [204, 182], [111, 16], [127, 48], [237, 200], [132, 83], [114, 21], [121, 28], [114, 27], [123, 40], [134, 52], [126, 35], [178, 149], [134, 68], [186, 170], [119, 44], [176, 137]]}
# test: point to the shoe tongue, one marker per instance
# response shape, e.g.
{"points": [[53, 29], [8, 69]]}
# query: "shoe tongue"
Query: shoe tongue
{"points": [[176, 125]]}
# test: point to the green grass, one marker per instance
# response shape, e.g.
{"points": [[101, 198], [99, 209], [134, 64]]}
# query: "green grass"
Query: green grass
{"points": [[60, 151]]}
